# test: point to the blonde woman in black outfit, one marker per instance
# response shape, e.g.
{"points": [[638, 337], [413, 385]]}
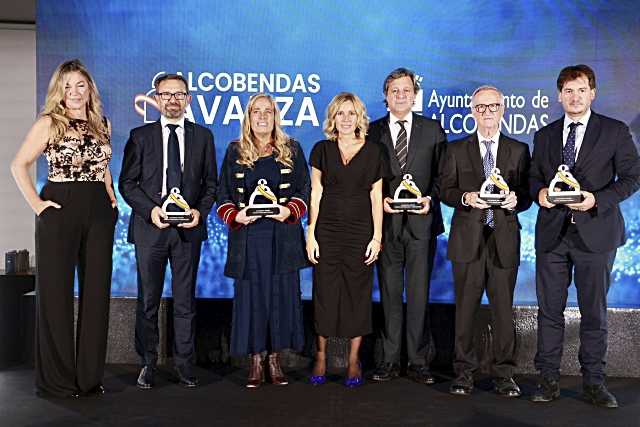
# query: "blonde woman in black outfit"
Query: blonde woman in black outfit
{"points": [[76, 216]]}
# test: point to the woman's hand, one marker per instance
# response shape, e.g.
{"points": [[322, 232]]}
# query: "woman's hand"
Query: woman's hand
{"points": [[373, 250], [284, 213], [44, 204], [313, 250], [243, 219]]}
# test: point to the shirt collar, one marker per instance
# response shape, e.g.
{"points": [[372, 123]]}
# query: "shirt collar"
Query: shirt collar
{"points": [[409, 118], [584, 119], [164, 122], [495, 138]]}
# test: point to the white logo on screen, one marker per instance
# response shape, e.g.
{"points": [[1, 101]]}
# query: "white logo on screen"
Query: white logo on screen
{"points": [[141, 102], [417, 104]]}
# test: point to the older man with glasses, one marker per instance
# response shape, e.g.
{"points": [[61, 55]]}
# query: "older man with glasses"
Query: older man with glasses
{"points": [[484, 242]]}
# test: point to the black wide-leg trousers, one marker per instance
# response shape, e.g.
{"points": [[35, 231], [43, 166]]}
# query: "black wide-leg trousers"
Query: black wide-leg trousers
{"points": [[79, 234]]}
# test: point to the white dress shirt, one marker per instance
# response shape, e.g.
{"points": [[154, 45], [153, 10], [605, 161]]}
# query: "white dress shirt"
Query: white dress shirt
{"points": [[580, 130], [394, 127], [165, 143], [494, 147], [483, 151]]}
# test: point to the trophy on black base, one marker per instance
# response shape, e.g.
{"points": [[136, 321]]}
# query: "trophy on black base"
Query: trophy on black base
{"points": [[407, 196], [263, 192], [178, 216], [556, 195], [494, 196]]}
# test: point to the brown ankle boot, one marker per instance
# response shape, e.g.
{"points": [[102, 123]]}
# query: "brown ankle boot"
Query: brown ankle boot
{"points": [[275, 370], [256, 371]]}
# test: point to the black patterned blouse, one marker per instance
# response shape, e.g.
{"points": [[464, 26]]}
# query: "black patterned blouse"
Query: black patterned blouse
{"points": [[78, 156]]}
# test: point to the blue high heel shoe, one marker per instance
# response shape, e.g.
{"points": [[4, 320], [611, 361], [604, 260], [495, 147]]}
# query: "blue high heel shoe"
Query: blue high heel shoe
{"points": [[353, 382], [317, 379]]}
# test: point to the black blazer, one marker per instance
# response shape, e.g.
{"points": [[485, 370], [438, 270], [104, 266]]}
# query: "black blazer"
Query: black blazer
{"points": [[141, 180], [289, 247], [462, 171], [425, 149], [607, 166]]}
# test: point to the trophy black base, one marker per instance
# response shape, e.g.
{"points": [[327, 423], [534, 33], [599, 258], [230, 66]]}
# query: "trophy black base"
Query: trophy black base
{"points": [[406, 206], [270, 210], [177, 218], [565, 199], [493, 201]]}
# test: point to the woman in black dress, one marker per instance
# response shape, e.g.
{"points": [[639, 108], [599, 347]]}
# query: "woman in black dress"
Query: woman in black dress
{"points": [[345, 230], [264, 255], [76, 217]]}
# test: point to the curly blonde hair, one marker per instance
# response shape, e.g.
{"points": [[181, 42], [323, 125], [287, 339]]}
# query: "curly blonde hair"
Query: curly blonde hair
{"points": [[246, 145], [54, 107], [362, 124]]}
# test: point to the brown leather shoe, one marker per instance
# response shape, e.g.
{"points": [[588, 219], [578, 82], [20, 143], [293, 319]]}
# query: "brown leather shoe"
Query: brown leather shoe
{"points": [[275, 370], [256, 372]]}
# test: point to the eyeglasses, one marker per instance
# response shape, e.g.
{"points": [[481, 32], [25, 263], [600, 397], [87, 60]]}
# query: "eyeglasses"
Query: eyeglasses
{"points": [[481, 108], [166, 96]]}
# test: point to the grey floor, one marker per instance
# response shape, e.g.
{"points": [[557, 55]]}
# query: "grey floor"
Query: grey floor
{"points": [[223, 401]]}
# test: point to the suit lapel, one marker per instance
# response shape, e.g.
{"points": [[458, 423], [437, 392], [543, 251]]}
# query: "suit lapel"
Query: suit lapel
{"points": [[415, 137], [504, 152], [385, 137], [157, 148], [591, 135], [473, 150], [188, 148], [555, 149]]}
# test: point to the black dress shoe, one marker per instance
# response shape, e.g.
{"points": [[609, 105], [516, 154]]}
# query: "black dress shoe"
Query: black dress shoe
{"points": [[386, 372], [599, 395], [461, 386], [96, 391], [420, 374], [506, 387], [548, 389], [145, 378], [186, 377]]}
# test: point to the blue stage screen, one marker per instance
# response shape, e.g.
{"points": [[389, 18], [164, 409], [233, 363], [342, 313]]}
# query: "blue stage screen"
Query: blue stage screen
{"points": [[304, 53]]}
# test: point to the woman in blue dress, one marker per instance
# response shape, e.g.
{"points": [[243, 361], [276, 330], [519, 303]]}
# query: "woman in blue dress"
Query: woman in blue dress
{"points": [[264, 254]]}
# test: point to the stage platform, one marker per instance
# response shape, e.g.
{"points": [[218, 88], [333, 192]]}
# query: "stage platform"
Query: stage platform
{"points": [[222, 400], [214, 329]]}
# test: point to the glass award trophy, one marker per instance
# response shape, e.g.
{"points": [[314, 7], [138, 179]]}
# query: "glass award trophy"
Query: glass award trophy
{"points": [[407, 196], [259, 201], [494, 189], [559, 196], [176, 208]]}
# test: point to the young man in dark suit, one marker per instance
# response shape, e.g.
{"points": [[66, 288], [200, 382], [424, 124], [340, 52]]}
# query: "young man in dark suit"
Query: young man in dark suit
{"points": [[413, 145], [172, 152], [579, 239], [484, 242]]}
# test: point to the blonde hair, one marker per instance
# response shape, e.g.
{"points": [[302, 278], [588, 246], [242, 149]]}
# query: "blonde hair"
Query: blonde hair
{"points": [[362, 123], [54, 107], [247, 148]]}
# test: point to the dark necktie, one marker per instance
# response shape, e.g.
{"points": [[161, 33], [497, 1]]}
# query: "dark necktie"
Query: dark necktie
{"points": [[174, 170], [488, 164], [402, 147], [569, 150]]}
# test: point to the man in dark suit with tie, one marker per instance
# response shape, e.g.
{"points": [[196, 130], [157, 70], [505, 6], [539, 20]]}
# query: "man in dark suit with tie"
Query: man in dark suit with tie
{"points": [[484, 242], [579, 239], [170, 153], [413, 145]]}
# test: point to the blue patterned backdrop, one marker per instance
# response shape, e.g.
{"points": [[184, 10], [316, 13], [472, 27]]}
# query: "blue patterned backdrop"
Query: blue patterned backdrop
{"points": [[306, 52]]}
